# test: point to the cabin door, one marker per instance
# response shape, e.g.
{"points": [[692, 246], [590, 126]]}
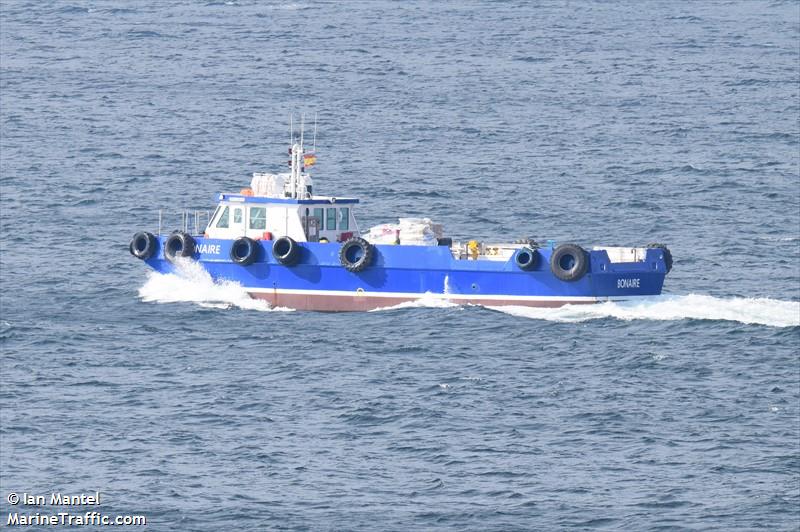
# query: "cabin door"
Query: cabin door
{"points": [[311, 224], [237, 223]]}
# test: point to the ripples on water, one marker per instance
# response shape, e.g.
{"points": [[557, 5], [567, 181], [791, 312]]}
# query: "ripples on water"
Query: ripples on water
{"points": [[181, 399]]}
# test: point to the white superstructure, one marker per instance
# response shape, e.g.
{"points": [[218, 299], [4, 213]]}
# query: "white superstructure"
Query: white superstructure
{"points": [[283, 204]]}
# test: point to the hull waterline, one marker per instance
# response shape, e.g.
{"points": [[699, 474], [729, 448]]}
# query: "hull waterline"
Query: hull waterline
{"points": [[326, 301], [405, 274]]}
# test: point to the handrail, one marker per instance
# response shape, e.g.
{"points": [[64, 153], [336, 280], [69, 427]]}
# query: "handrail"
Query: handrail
{"points": [[184, 217]]}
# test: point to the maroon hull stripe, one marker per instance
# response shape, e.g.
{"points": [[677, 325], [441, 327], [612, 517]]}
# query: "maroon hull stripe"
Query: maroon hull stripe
{"points": [[343, 303]]}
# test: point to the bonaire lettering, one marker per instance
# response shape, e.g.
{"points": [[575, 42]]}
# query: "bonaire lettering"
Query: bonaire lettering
{"points": [[207, 248], [628, 283]]}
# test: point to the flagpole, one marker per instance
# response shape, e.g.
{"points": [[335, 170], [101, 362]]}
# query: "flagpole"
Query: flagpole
{"points": [[315, 132]]}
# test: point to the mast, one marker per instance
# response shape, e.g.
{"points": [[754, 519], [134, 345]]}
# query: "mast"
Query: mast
{"points": [[314, 148], [302, 128], [297, 153], [297, 157]]}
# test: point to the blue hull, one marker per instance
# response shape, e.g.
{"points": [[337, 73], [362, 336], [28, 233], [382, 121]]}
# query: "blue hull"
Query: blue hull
{"points": [[406, 273]]}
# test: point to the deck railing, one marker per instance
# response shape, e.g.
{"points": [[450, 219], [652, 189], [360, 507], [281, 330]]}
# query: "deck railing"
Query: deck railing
{"points": [[188, 221]]}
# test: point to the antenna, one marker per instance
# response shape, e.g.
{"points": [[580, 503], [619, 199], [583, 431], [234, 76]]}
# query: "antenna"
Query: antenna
{"points": [[314, 150], [291, 130], [302, 128]]}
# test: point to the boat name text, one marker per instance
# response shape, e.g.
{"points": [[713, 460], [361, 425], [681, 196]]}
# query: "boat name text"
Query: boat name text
{"points": [[628, 283], [207, 248]]}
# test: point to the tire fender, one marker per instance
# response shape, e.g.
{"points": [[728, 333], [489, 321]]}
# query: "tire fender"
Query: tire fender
{"points": [[356, 254], [569, 262], [179, 244], [244, 251], [143, 245], [286, 251]]}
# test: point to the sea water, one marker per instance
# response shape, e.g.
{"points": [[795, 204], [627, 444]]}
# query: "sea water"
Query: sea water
{"points": [[609, 123]]}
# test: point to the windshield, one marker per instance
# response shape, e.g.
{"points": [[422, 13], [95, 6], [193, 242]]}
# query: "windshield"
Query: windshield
{"points": [[213, 217]]}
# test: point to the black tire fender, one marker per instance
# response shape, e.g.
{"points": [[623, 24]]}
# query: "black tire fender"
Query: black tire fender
{"points": [[286, 251], [143, 245], [179, 244], [356, 254], [244, 251], [569, 262], [667, 254], [527, 258]]}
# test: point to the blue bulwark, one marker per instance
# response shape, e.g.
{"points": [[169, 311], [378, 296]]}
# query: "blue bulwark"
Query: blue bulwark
{"points": [[257, 199], [415, 270]]}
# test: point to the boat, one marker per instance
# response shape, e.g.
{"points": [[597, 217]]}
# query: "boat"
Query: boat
{"points": [[295, 249]]}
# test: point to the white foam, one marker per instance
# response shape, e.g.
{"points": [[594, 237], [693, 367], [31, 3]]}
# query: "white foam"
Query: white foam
{"points": [[427, 300], [760, 311], [192, 283]]}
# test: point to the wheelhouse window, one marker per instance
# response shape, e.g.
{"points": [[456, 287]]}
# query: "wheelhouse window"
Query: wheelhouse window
{"points": [[237, 216], [330, 223], [224, 219], [258, 218], [319, 214], [344, 218], [213, 217]]}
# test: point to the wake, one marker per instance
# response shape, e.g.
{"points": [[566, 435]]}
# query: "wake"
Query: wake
{"points": [[751, 311], [192, 284]]}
